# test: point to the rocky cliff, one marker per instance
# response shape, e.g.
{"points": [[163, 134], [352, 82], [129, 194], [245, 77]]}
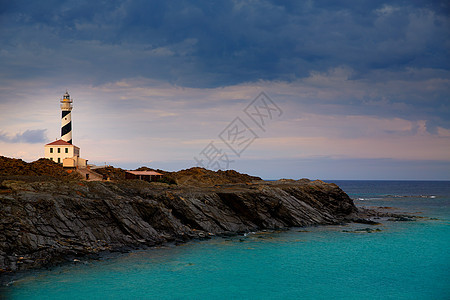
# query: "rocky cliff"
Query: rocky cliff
{"points": [[43, 222]]}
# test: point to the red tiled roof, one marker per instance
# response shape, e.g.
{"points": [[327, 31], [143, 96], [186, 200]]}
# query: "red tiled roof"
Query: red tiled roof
{"points": [[60, 143], [144, 173]]}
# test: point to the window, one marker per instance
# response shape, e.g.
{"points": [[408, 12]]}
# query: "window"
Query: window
{"points": [[59, 159], [59, 150], [67, 150], [51, 158], [51, 150]]}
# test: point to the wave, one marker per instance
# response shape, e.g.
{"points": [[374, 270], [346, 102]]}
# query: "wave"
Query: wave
{"points": [[366, 199], [409, 196], [393, 196]]}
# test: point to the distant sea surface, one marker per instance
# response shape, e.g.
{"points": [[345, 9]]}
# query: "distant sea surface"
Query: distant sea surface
{"points": [[395, 260]]}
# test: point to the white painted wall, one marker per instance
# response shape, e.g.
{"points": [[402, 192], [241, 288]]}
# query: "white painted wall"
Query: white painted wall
{"points": [[71, 152]]}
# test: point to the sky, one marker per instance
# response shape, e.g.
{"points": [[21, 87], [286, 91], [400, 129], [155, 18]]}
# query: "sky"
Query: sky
{"points": [[277, 89]]}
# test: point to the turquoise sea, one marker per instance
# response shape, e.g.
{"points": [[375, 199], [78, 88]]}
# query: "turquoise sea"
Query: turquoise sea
{"points": [[395, 260]]}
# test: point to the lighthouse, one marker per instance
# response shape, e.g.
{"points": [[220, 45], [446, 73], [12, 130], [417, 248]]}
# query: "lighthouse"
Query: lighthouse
{"points": [[63, 151], [66, 119]]}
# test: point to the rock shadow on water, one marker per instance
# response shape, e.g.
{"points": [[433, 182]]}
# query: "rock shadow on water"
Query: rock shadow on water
{"points": [[363, 230]]}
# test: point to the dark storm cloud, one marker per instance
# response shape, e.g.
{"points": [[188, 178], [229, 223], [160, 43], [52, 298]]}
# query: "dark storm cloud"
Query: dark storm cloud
{"points": [[217, 43], [397, 49], [29, 136]]}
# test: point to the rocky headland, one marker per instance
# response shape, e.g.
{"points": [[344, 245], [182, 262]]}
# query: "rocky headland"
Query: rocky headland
{"points": [[48, 217]]}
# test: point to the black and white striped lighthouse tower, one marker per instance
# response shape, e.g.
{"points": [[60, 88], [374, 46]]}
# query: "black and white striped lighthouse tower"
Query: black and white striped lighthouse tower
{"points": [[66, 121]]}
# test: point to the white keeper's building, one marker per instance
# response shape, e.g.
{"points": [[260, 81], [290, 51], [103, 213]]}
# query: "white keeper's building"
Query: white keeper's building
{"points": [[63, 152]]}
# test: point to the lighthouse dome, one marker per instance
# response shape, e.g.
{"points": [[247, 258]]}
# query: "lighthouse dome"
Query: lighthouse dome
{"points": [[66, 96]]}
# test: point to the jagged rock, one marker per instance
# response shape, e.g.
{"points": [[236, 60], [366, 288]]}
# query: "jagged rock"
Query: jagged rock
{"points": [[402, 219], [46, 222], [49, 216]]}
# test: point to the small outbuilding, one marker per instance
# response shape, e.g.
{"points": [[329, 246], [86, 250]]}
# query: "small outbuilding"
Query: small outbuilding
{"points": [[143, 175]]}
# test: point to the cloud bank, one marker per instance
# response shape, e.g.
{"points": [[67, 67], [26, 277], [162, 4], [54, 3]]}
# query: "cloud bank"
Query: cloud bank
{"points": [[356, 80], [218, 43], [29, 136]]}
